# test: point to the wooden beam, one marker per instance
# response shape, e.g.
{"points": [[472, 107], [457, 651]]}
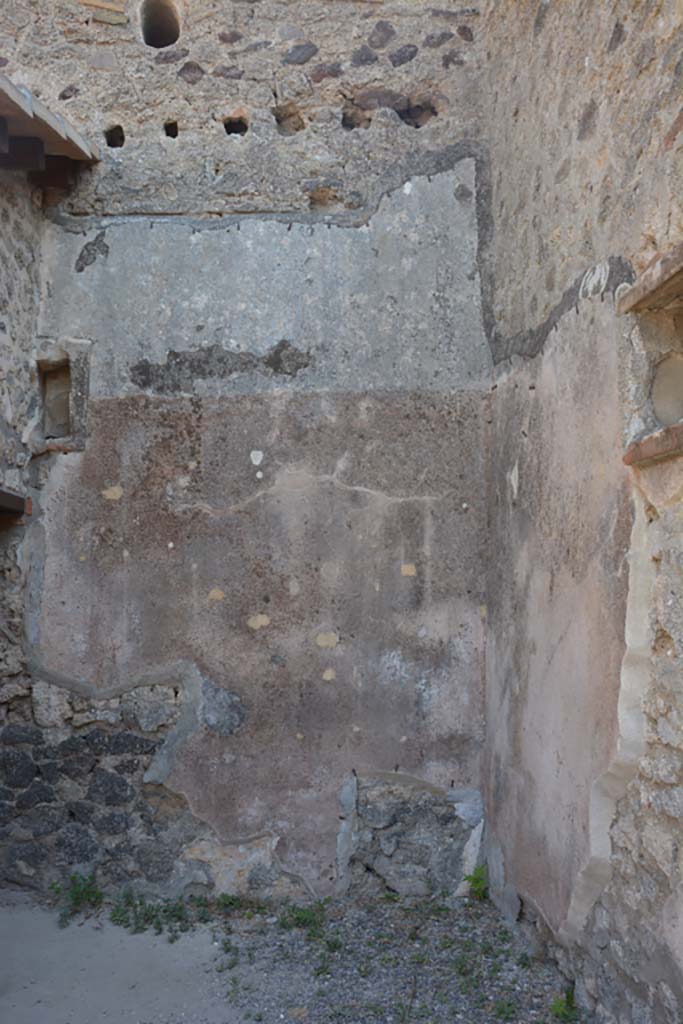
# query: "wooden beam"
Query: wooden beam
{"points": [[25, 154]]}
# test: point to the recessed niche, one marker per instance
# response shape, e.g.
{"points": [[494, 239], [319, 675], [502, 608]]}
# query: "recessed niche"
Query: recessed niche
{"points": [[171, 129], [56, 389], [323, 196], [115, 136], [288, 118], [235, 126], [354, 117], [667, 390], [160, 23], [418, 114]]}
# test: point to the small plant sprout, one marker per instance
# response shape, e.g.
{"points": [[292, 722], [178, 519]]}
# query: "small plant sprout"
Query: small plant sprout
{"points": [[81, 894], [478, 883], [563, 1008], [311, 919], [505, 1009]]}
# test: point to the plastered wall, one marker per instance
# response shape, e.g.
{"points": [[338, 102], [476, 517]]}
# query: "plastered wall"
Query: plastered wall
{"points": [[255, 564], [354, 374], [584, 132]]}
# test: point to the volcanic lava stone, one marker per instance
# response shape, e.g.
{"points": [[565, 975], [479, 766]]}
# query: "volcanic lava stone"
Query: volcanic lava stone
{"points": [[382, 33], [49, 771], [43, 820], [112, 824], [154, 861], [363, 56], [109, 788], [6, 812], [79, 810], [119, 742], [76, 844], [37, 793], [13, 735], [403, 55], [17, 769], [73, 745], [300, 54], [30, 853], [78, 767]]}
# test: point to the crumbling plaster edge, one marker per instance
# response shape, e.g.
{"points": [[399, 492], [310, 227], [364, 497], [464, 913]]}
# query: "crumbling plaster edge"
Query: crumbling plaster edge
{"points": [[598, 280], [610, 787], [187, 676], [605, 277], [417, 164], [425, 164], [184, 674]]}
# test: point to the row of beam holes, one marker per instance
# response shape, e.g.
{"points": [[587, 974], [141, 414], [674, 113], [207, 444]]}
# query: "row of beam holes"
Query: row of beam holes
{"points": [[290, 121], [116, 137]]}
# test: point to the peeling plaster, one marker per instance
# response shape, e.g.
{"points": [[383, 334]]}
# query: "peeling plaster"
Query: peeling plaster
{"points": [[259, 621], [327, 640], [114, 493]]}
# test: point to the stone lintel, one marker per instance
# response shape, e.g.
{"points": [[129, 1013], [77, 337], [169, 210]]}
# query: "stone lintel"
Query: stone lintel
{"points": [[666, 443], [659, 287]]}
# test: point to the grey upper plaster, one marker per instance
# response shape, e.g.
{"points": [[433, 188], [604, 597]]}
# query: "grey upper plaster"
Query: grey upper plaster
{"points": [[392, 303]]}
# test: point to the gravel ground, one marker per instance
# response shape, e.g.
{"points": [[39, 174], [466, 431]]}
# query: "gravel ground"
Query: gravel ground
{"points": [[387, 961], [376, 961]]}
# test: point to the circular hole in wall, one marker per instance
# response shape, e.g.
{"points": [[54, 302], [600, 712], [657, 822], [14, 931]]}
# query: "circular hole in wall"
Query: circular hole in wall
{"points": [[160, 23], [115, 136], [667, 390]]}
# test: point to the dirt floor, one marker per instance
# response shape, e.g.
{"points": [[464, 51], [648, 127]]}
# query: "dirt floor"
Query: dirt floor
{"points": [[382, 961]]}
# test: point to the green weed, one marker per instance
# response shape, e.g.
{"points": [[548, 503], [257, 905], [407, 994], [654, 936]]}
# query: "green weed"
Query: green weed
{"points": [[323, 966], [563, 1008], [505, 1009], [479, 883], [229, 902], [310, 919], [82, 894]]}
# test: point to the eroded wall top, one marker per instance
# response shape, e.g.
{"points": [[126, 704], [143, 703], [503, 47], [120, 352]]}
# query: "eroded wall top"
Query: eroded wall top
{"points": [[583, 117], [258, 106]]}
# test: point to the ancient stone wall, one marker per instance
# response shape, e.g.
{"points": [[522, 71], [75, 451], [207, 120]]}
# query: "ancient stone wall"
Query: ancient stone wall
{"points": [[583, 127], [271, 105], [19, 296], [255, 561], [260, 558], [583, 760], [20, 232]]}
